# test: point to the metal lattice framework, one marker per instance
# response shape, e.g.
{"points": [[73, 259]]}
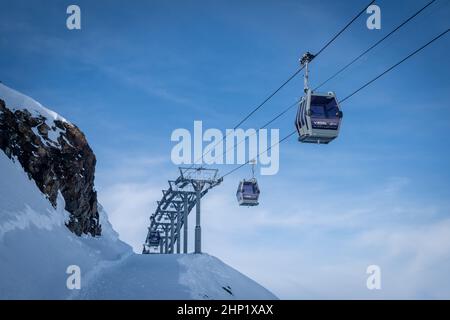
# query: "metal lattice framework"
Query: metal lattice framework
{"points": [[172, 211]]}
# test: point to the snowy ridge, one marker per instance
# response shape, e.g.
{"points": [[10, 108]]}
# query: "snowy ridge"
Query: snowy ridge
{"points": [[55, 154], [18, 101], [15, 100], [171, 276], [209, 278]]}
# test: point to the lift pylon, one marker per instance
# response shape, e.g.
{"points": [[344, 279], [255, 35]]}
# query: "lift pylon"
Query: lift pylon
{"points": [[172, 211]]}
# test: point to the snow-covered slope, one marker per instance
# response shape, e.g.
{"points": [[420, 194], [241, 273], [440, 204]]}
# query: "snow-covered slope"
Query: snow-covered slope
{"points": [[192, 276], [54, 153], [36, 248]]}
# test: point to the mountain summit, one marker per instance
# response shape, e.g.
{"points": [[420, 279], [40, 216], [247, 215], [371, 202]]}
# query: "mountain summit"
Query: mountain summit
{"points": [[54, 153], [50, 222]]}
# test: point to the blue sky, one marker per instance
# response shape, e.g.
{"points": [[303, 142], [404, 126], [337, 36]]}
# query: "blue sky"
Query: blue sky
{"points": [[379, 194]]}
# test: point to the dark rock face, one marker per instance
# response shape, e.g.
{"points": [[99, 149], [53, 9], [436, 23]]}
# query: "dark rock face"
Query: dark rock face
{"points": [[56, 155]]}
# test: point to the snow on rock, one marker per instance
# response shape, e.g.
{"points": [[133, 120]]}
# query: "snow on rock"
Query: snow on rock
{"points": [[19, 101], [36, 247]]}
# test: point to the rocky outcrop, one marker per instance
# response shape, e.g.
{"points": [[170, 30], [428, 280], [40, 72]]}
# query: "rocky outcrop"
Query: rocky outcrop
{"points": [[56, 155]]}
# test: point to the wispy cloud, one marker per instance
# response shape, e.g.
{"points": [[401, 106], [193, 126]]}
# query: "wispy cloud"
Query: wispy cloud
{"points": [[129, 189], [323, 251]]}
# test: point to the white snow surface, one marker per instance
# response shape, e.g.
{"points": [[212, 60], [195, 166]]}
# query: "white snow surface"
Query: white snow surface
{"points": [[36, 248], [15, 100]]}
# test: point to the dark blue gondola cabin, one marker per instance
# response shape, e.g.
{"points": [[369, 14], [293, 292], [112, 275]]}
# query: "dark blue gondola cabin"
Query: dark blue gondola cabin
{"points": [[248, 192], [318, 118]]}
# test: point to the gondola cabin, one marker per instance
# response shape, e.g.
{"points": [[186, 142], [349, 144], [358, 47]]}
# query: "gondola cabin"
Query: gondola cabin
{"points": [[318, 118], [154, 238], [248, 193]]}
